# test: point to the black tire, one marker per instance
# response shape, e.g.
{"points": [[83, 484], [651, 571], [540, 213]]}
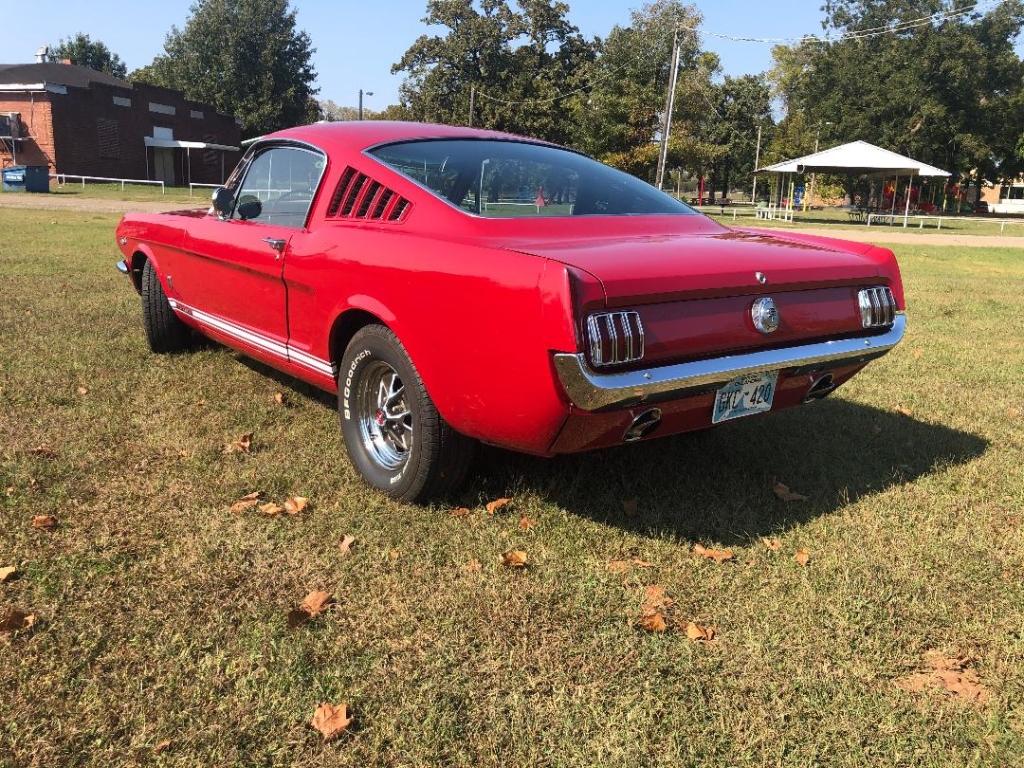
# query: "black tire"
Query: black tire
{"points": [[164, 331], [437, 457]]}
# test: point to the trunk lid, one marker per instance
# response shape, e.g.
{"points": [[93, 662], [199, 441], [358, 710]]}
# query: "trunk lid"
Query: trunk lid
{"points": [[649, 269]]}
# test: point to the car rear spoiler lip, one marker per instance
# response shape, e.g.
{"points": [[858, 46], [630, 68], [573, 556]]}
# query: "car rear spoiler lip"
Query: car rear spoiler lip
{"points": [[604, 391]]}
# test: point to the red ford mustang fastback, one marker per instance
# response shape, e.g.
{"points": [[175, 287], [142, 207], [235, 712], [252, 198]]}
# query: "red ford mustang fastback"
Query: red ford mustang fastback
{"points": [[457, 285]]}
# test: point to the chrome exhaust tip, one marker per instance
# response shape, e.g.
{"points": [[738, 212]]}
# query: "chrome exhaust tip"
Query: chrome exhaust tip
{"points": [[822, 387], [642, 425]]}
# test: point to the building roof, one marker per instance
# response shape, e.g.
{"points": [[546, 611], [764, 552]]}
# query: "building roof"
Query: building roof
{"points": [[56, 73], [857, 158]]}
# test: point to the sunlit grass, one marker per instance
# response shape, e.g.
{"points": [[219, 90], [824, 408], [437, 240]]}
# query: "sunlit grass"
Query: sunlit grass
{"points": [[162, 615]]}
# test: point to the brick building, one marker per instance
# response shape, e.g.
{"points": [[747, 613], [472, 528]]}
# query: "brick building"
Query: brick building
{"points": [[78, 121]]}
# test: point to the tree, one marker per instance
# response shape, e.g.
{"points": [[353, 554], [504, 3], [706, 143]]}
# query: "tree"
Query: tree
{"points": [[83, 51], [945, 92], [514, 62], [740, 106], [246, 58], [623, 113]]}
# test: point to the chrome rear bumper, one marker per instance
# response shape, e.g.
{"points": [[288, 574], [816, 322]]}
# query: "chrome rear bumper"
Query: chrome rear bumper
{"points": [[601, 391]]}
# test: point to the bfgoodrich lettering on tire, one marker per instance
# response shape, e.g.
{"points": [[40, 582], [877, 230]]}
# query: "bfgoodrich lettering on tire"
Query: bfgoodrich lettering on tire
{"points": [[393, 433]]}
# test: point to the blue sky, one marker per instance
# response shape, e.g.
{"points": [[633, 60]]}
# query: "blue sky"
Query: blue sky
{"points": [[357, 42]]}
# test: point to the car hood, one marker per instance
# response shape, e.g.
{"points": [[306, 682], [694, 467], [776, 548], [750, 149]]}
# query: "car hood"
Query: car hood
{"points": [[637, 269]]}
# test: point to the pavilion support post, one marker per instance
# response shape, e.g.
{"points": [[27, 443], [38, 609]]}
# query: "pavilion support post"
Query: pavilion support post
{"points": [[906, 207], [895, 189]]}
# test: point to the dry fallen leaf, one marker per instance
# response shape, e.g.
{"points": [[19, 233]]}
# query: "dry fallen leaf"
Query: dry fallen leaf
{"points": [[44, 452], [295, 504], [718, 555], [494, 506], [394, 554], [515, 558], [345, 547], [526, 523], [241, 445], [44, 522], [83, 390], [1013, 413], [903, 411], [312, 605], [655, 598], [473, 566], [248, 501], [271, 509], [773, 544], [652, 622], [279, 398], [7, 573], [696, 632], [161, 746], [629, 507], [15, 620], [461, 512], [782, 491], [951, 676], [331, 720], [802, 556]]}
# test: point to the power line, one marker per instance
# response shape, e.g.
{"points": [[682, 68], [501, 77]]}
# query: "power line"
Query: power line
{"points": [[860, 34]]}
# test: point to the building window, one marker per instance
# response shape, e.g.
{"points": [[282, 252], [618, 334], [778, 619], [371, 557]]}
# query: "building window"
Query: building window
{"points": [[161, 109], [108, 138], [121, 101], [195, 114], [160, 132]]}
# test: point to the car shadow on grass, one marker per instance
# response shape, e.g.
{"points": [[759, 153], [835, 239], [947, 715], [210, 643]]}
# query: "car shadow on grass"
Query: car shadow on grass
{"points": [[716, 485]]}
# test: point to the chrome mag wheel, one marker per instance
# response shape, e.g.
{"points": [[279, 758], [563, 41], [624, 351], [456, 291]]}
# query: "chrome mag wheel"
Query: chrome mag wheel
{"points": [[385, 421]]}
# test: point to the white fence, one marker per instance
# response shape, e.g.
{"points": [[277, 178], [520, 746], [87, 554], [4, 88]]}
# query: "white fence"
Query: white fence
{"points": [[193, 184], [890, 219], [62, 179]]}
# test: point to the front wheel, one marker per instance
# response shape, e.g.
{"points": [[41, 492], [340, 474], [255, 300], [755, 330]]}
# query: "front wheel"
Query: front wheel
{"points": [[393, 433]]}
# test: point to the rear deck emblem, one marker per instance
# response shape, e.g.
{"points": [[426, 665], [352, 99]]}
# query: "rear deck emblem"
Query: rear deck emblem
{"points": [[765, 315], [761, 277]]}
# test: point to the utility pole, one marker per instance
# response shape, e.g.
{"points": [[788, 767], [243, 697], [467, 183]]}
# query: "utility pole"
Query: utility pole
{"points": [[757, 162], [670, 102], [472, 100]]}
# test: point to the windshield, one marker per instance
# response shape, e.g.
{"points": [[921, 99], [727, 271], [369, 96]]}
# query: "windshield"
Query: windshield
{"points": [[502, 179]]}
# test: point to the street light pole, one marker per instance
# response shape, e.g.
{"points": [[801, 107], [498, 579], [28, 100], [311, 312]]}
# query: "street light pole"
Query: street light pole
{"points": [[368, 93]]}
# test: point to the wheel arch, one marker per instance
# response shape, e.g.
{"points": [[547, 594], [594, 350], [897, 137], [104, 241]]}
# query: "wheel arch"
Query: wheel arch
{"points": [[345, 326], [137, 262]]}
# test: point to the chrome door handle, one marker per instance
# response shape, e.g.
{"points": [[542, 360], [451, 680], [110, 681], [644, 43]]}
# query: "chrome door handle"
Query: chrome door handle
{"points": [[275, 243]]}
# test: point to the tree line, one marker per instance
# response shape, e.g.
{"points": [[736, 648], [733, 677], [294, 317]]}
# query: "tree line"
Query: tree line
{"points": [[949, 91]]}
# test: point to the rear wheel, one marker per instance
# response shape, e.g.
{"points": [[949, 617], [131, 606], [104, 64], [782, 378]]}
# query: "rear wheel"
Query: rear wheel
{"points": [[164, 331], [393, 433]]}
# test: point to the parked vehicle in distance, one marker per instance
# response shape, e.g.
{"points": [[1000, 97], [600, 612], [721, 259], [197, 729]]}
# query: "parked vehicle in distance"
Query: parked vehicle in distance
{"points": [[456, 285]]}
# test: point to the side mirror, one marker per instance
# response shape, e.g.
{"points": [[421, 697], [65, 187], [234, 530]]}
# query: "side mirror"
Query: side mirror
{"points": [[222, 201], [249, 208]]}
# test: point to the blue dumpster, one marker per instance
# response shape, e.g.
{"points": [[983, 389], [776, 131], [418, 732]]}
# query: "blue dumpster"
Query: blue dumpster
{"points": [[25, 178]]}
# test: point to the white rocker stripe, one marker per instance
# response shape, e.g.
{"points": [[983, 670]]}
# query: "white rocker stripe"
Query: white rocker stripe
{"points": [[284, 351]]}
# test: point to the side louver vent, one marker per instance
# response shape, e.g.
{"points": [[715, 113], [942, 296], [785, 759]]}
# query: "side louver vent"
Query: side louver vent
{"points": [[358, 196]]}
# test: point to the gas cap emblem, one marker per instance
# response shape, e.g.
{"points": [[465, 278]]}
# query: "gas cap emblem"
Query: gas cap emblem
{"points": [[765, 315]]}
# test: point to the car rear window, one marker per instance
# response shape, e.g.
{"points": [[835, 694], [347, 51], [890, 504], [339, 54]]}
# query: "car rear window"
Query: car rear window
{"points": [[502, 179]]}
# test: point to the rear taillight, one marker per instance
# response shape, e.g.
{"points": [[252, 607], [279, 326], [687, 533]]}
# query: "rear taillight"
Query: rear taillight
{"points": [[615, 338], [877, 307]]}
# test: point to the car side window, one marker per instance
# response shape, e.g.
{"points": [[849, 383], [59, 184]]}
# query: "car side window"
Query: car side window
{"points": [[278, 187]]}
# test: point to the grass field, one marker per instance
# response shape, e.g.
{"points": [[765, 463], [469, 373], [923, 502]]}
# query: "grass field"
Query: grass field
{"points": [[161, 635]]}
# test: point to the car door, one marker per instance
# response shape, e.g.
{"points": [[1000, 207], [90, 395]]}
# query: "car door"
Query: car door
{"points": [[231, 280]]}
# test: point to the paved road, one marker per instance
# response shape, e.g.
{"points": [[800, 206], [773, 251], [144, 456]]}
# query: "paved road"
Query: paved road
{"points": [[892, 236], [65, 202], [861, 234]]}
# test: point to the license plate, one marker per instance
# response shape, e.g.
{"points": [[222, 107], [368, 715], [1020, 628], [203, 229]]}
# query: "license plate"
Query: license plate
{"points": [[745, 396]]}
